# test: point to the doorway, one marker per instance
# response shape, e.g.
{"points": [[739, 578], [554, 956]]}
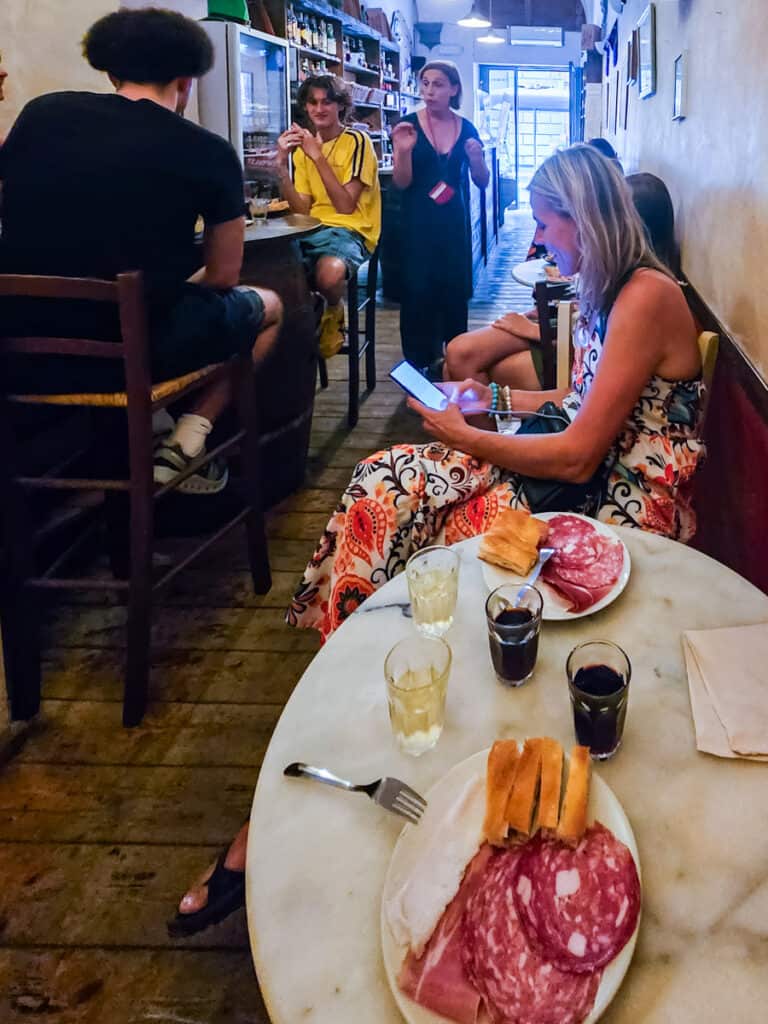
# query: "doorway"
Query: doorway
{"points": [[526, 113]]}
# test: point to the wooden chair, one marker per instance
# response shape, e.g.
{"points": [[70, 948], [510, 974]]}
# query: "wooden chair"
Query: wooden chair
{"points": [[128, 500], [353, 348], [548, 295]]}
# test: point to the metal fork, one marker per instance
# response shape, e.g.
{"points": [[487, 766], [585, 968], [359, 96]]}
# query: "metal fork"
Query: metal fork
{"points": [[391, 794], [544, 556]]}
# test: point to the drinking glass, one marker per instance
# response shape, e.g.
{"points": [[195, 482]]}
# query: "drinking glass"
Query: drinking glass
{"points": [[259, 208], [416, 671], [433, 585], [513, 615], [598, 682]]}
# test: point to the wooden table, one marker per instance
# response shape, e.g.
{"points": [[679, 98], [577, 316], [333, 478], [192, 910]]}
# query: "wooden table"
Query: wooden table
{"points": [[286, 384], [317, 857]]}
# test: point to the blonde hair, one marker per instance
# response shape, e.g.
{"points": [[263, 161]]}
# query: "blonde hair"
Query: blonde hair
{"points": [[451, 72], [580, 183]]}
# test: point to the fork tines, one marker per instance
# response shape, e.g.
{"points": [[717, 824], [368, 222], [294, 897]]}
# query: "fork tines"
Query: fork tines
{"points": [[400, 798]]}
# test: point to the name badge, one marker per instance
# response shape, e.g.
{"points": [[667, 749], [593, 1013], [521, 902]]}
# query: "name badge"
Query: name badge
{"points": [[442, 193]]}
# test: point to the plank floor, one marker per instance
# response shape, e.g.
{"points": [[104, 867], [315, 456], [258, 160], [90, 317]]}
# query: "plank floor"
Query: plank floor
{"points": [[101, 828]]}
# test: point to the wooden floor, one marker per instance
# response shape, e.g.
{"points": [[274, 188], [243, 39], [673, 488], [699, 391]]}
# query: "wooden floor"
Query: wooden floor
{"points": [[102, 827]]}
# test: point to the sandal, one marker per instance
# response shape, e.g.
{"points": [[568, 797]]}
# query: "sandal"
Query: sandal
{"points": [[226, 893]]}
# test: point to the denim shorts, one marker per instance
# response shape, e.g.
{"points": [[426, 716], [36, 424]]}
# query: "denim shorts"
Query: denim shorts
{"points": [[201, 327], [347, 245]]}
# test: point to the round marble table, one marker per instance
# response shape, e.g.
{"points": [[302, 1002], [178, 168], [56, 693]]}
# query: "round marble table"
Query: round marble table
{"points": [[317, 856], [530, 272]]}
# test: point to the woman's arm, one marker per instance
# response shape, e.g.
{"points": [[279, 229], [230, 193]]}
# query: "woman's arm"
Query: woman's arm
{"points": [[404, 137], [649, 324], [477, 168]]}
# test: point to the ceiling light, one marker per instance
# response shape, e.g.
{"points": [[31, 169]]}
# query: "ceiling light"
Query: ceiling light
{"points": [[474, 19], [491, 38]]}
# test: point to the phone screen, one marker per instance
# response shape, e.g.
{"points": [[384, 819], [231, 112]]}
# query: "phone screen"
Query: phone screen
{"points": [[410, 380]]}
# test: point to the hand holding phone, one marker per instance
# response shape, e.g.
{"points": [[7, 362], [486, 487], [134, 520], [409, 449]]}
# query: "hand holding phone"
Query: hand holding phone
{"points": [[417, 385]]}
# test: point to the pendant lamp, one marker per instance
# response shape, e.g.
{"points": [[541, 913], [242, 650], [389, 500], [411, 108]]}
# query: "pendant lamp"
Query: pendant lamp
{"points": [[474, 19]]}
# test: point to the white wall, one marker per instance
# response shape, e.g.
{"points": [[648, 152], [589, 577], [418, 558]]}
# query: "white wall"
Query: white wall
{"points": [[714, 161]]}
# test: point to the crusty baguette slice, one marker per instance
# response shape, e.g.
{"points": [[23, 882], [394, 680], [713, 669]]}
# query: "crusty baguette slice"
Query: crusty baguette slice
{"points": [[548, 813], [573, 817], [499, 775], [522, 799]]}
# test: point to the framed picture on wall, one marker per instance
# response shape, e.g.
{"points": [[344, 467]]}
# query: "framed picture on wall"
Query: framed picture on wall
{"points": [[626, 105], [679, 97], [646, 68], [615, 113], [607, 117], [632, 48]]}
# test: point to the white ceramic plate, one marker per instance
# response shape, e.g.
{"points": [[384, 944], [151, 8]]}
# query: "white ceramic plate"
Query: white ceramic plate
{"points": [[495, 576], [603, 807]]}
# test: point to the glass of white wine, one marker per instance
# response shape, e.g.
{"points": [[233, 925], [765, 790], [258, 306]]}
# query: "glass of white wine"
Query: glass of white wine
{"points": [[417, 670], [433, 586]]}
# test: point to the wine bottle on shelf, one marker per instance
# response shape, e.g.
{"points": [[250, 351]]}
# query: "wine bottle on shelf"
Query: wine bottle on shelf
{"points": [[330, 40]]}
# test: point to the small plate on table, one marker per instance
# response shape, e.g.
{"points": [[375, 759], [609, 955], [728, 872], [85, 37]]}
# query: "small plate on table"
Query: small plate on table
{"points": [[554, 609], [603, 806]]}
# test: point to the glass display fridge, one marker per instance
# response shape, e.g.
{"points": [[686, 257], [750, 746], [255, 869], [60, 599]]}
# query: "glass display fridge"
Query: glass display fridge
{"points": [[244, 96]]}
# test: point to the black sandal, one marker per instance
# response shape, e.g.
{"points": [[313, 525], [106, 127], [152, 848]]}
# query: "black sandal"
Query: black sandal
{"points": [[226, 893]]}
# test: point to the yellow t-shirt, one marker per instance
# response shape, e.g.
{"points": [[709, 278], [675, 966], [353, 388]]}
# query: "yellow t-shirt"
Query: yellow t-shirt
{"points": [[351, 155]]}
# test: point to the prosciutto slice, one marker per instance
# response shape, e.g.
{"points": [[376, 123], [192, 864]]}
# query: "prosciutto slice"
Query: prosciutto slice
{"points": [[437, 979]]}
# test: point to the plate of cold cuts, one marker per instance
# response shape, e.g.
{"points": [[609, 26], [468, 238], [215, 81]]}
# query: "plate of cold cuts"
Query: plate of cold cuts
{"points": [[588, 571], [538, 933]]}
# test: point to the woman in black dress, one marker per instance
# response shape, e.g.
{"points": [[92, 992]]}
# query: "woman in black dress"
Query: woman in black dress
{"points": [[433, 150]]}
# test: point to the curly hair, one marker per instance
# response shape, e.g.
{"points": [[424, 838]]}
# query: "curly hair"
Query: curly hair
{"points": [[335, 89], [149, 46]]}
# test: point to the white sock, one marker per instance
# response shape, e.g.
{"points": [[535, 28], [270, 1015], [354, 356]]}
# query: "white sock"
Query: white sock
{"points": [[162, 422], [190, 433]]}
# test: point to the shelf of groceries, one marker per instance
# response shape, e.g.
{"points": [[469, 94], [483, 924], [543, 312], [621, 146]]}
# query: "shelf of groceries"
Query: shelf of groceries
{"points": [[329, 41]]}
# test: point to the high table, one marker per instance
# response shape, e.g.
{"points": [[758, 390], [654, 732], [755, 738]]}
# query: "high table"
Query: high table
{"points": [[285, 386], [317, 857]]}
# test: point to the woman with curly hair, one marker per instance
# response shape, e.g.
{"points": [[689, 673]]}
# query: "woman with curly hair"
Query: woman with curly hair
{"points": [[633, 412]]}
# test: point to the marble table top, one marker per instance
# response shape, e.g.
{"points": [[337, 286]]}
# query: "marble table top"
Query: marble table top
{"points": [[530, 272], [318, 856], [273, 229]]}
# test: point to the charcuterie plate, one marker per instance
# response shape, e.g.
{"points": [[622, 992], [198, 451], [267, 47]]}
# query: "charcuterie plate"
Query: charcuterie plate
{"points": [[553, 607], [415, 840]]}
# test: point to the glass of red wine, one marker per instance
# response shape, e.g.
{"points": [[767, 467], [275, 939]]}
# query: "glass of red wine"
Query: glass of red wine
{"points": [[598, 682], [513, 614]]}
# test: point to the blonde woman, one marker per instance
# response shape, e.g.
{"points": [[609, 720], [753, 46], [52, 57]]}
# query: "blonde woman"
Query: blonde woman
{"points": [[633, 411]]}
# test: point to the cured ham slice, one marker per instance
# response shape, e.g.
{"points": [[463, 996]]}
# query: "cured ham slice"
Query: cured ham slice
{"points": [[579, 907], [586, 564], [517, 985], [437, 979]]}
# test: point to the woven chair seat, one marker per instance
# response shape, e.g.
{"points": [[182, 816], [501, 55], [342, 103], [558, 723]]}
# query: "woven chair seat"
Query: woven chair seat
{"points": [[117, 399]]}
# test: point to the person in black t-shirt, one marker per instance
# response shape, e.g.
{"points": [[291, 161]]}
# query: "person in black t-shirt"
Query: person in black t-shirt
{"points": [[96, 184]]}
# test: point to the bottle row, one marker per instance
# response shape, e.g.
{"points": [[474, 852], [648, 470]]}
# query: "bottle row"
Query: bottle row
{"points": [[314, 33]]}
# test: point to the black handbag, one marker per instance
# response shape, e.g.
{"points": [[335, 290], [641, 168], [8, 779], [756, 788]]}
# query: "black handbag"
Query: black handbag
{"points": [[560, 495]]}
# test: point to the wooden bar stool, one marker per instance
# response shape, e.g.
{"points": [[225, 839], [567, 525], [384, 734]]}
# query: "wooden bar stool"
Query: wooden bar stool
{"points": [[353, 348], [129, 500]]}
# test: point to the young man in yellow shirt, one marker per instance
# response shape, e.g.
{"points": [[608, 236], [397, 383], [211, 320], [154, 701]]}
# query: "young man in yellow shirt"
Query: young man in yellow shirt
{"points": [[336, 179]]}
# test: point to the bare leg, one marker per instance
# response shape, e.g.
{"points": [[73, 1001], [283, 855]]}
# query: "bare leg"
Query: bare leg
{"points": [[331, 278], [214, 400], [475, 353], [517, 371], [197, 896]]}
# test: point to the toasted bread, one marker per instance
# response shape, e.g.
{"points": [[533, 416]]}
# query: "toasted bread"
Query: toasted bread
{"points": [[522, 799], [499, 776], [513, 541], [548, 812], [573, 817]]}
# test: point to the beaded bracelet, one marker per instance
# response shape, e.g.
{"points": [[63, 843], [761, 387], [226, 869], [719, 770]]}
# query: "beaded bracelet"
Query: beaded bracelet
{"points": [[494, 397]]}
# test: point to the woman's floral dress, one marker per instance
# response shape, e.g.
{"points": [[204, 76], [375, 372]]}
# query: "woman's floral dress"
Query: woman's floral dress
{"points": [[407, 497]]}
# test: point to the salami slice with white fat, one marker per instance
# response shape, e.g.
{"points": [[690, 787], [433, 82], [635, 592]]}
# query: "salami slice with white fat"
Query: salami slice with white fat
{"points": [[578, 906], [576, 542], [603, 572], [517, 986]]}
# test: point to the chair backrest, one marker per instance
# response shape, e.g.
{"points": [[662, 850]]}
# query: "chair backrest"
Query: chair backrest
{"points": [[547, 296], [709, 343], [566, 310], [126, 292]]}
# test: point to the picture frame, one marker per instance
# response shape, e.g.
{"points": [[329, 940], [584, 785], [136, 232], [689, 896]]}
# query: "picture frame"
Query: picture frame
{"points": [[615, 114], [633, 45], [680, 87], [607, 119], [646, 67], [626, 104]]}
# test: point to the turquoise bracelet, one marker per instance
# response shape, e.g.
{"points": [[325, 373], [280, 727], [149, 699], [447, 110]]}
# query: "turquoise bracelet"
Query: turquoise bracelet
{"points": [[494, 396]]}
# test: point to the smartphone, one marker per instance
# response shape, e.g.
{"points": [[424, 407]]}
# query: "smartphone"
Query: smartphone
{"points": [[410, 380]]}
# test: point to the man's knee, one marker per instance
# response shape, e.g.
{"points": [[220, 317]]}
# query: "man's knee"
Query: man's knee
{"points": [[330, 272], [273, 307]]}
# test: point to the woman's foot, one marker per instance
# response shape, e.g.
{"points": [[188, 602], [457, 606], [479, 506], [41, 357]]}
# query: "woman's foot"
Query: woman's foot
{"points": [[218, 892]]}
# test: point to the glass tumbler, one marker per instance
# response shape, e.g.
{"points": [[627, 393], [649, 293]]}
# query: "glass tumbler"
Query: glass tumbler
{"points": [[416, 671], [433, 586], [598, 682]]}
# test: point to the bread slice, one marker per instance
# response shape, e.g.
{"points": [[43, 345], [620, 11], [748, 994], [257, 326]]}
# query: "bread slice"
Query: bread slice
{"points": [[499, 776], [548, 812], [522, 799], [573, 817], [513, 541]]}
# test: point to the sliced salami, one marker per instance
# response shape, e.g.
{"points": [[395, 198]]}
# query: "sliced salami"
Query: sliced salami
{"points": [[517, 986], [578, 906], [576, 541], [603, 572]]}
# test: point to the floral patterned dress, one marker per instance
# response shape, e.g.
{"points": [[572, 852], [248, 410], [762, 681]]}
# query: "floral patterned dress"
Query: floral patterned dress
{"points": [[407, 497]]}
